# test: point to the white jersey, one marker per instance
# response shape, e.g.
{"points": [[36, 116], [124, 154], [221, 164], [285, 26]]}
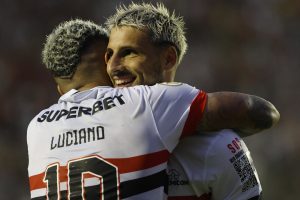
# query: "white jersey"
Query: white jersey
{"points": [[108, 143], [215, 166]]}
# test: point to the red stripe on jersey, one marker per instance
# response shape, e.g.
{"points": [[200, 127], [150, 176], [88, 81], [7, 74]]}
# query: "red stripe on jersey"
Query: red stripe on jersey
{"points": [[202, 197], [195, 114], [140, 162], [125, 165]]}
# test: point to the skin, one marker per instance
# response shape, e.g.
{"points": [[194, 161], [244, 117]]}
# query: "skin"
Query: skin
{"points": [[133, 59]]}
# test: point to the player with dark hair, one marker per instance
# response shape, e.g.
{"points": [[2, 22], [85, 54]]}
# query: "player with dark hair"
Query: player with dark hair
{"points": [[146, 45]]}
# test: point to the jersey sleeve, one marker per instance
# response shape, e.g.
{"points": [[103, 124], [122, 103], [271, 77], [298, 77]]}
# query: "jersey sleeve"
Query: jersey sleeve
{"points": [[229, 169], [177, 109]]}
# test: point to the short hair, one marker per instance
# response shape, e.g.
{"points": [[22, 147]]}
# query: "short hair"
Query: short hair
{"points": [[163, 26], [61, 53]]}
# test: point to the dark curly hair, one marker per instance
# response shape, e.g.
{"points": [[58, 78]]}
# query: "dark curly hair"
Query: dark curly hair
{"points": [[61, 53]]}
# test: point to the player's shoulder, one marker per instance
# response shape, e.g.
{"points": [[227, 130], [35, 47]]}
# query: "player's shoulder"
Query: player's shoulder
{"points": [[175, 88], [43, 111], [174, 85], [224, 137], [33, 125], [166, 88], [223, 145], [158, 85], [171, 84]]}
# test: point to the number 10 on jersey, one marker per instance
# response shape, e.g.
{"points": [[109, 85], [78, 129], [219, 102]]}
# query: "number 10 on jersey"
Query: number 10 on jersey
{"points": [[77, 171]]}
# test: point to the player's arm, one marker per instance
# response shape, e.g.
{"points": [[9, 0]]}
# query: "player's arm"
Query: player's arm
{"points": [[244, 113]]}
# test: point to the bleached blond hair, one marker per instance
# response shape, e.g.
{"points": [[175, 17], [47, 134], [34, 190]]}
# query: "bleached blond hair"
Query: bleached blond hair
{"points": [[163, 26], [61, 53]]}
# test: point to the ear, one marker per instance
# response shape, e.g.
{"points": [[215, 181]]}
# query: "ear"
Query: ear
{"points": [[59, 90], [169, 57]]}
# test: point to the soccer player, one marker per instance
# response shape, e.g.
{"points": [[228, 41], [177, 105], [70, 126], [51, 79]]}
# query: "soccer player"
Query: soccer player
{"points": [[105, 143], [100, 142], [146, 45]]}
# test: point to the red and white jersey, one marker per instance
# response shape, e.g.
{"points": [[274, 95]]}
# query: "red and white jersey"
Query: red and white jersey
{"points": [[110, 143], [215, 166]]}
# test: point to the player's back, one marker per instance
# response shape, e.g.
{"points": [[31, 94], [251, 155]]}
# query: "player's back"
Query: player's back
{"points": [[102, 142], [214, 166]]}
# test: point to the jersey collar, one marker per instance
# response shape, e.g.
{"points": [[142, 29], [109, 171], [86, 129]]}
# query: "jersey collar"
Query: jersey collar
{"points": [[82, 95]]}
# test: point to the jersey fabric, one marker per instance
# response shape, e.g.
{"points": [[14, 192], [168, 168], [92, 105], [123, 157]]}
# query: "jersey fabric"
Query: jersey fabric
{"points": [[215, 166], [109, 143]]}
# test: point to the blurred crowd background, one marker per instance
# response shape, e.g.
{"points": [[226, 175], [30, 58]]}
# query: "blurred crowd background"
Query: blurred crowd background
{"points": [[249, 46]]}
